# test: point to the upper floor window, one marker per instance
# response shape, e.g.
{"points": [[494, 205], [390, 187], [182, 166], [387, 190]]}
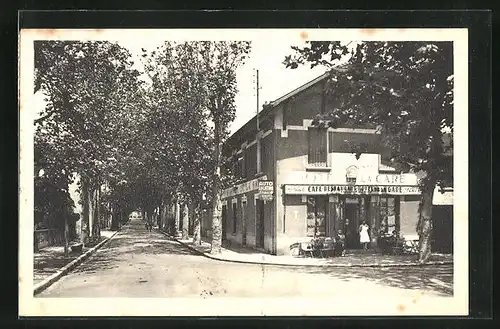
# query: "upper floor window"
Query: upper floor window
{"points": [[317, 138], [238, 167]]}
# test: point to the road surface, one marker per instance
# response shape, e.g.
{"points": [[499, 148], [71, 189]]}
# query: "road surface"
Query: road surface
{"points": [[139, 263]]}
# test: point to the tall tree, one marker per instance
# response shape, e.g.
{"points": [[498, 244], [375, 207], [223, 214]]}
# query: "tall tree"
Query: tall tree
{"points": [[88, 86], [195, 84], [406, 90], [221, 59]]}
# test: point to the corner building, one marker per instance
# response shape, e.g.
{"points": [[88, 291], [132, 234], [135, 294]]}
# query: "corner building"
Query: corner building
{"points": [[318, 186]]}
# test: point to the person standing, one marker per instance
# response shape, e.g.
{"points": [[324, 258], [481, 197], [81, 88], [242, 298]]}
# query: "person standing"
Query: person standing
{"points": [[339, 249], [364, 237]]}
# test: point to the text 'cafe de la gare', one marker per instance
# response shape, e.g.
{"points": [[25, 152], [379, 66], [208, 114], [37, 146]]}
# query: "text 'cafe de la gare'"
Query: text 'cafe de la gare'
{"points": [[329, 202]]}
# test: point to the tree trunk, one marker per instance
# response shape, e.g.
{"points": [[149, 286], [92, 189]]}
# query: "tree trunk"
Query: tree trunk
{"points": [[164, 216], [99, 219], [85, 210], [425, 224], [185, 222], [95, 217], [177, 218], [160, 216], [66, 236], [197, 224], [114, 219], [216, 201]]}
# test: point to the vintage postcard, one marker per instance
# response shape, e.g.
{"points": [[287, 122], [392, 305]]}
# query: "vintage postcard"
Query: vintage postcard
{"points": [[235, 172]]}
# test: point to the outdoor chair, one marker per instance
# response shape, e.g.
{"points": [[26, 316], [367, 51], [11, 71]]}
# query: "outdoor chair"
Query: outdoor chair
{"points": [[328, 248], [307, 249], [301, 249], [295, 249], [407, 244], [410, 246]]}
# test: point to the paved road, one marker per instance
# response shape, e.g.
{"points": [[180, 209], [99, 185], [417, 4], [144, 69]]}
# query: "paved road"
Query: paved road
{"points": [[138, 263]]}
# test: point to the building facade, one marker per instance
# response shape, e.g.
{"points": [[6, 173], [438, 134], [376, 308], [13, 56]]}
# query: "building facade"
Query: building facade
{"points": [[298, 181]]}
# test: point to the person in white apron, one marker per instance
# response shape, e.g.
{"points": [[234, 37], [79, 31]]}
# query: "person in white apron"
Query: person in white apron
{"points": [[364, 237]]}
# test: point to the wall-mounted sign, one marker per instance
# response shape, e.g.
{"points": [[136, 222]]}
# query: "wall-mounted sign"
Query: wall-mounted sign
{"points": [[351, 189], [363, 177], [242, 188], [442, 199], [351, 172], [383, 179], [266, 189]]}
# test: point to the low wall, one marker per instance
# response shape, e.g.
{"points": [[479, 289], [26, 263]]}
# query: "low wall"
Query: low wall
{"points": [[46, 237]]}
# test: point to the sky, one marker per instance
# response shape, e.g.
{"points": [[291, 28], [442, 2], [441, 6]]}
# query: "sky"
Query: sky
{"points": [[274, 79], [269, 48]]}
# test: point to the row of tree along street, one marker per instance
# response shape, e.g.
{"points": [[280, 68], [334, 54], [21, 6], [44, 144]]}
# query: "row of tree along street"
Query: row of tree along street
{"points": [[152, 138], [135, 139]]}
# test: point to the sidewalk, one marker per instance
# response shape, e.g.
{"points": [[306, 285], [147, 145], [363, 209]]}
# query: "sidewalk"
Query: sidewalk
{"points": [[246, 255], [50, 260]]}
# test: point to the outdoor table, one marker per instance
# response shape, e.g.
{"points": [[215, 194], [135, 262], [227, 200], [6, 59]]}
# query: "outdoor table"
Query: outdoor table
{"points": [[320, 248]]}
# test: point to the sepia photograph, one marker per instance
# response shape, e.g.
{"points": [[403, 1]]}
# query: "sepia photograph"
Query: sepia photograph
{"points": [[211, 172]]}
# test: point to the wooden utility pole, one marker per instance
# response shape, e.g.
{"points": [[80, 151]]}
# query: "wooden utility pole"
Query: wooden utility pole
{"points": [[257, 136], [257, 91]]}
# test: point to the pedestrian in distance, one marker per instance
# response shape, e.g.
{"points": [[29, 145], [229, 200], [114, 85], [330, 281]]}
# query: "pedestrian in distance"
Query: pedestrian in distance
{"points": [[364, 237]]}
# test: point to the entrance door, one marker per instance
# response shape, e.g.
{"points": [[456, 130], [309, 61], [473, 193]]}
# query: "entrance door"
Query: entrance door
{"points": [[351, 223], [243, 223], [259, 223]]}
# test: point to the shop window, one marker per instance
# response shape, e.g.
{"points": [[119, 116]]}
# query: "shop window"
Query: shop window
{"points": [[316, 216], [317, 155], [388, 214]]}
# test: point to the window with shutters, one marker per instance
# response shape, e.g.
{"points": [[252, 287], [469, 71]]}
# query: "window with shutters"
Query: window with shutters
{"points": [[317, 138], [239, 167], [235, 218]]}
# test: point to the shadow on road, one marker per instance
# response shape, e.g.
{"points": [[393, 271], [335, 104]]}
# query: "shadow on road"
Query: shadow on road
{"points": [[133, 240], [439, 278], [48, 263]]}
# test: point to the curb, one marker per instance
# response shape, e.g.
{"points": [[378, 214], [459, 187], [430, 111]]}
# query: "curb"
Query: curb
{"points": [[41, 286], [372, 265]]}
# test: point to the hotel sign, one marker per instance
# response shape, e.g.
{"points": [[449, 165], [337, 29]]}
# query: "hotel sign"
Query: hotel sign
{"points": [[242, 188], [351, 189], [266, 190]]}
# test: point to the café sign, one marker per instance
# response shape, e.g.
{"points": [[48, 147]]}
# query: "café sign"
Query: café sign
{"points": [[387, 179], [318, 189], [363, 177]]}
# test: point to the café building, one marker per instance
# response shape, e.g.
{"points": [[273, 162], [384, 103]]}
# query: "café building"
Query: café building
{"points": [[297, 181]]}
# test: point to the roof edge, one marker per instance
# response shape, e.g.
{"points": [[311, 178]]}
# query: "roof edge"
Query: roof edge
{"points": [[266, 108]]}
